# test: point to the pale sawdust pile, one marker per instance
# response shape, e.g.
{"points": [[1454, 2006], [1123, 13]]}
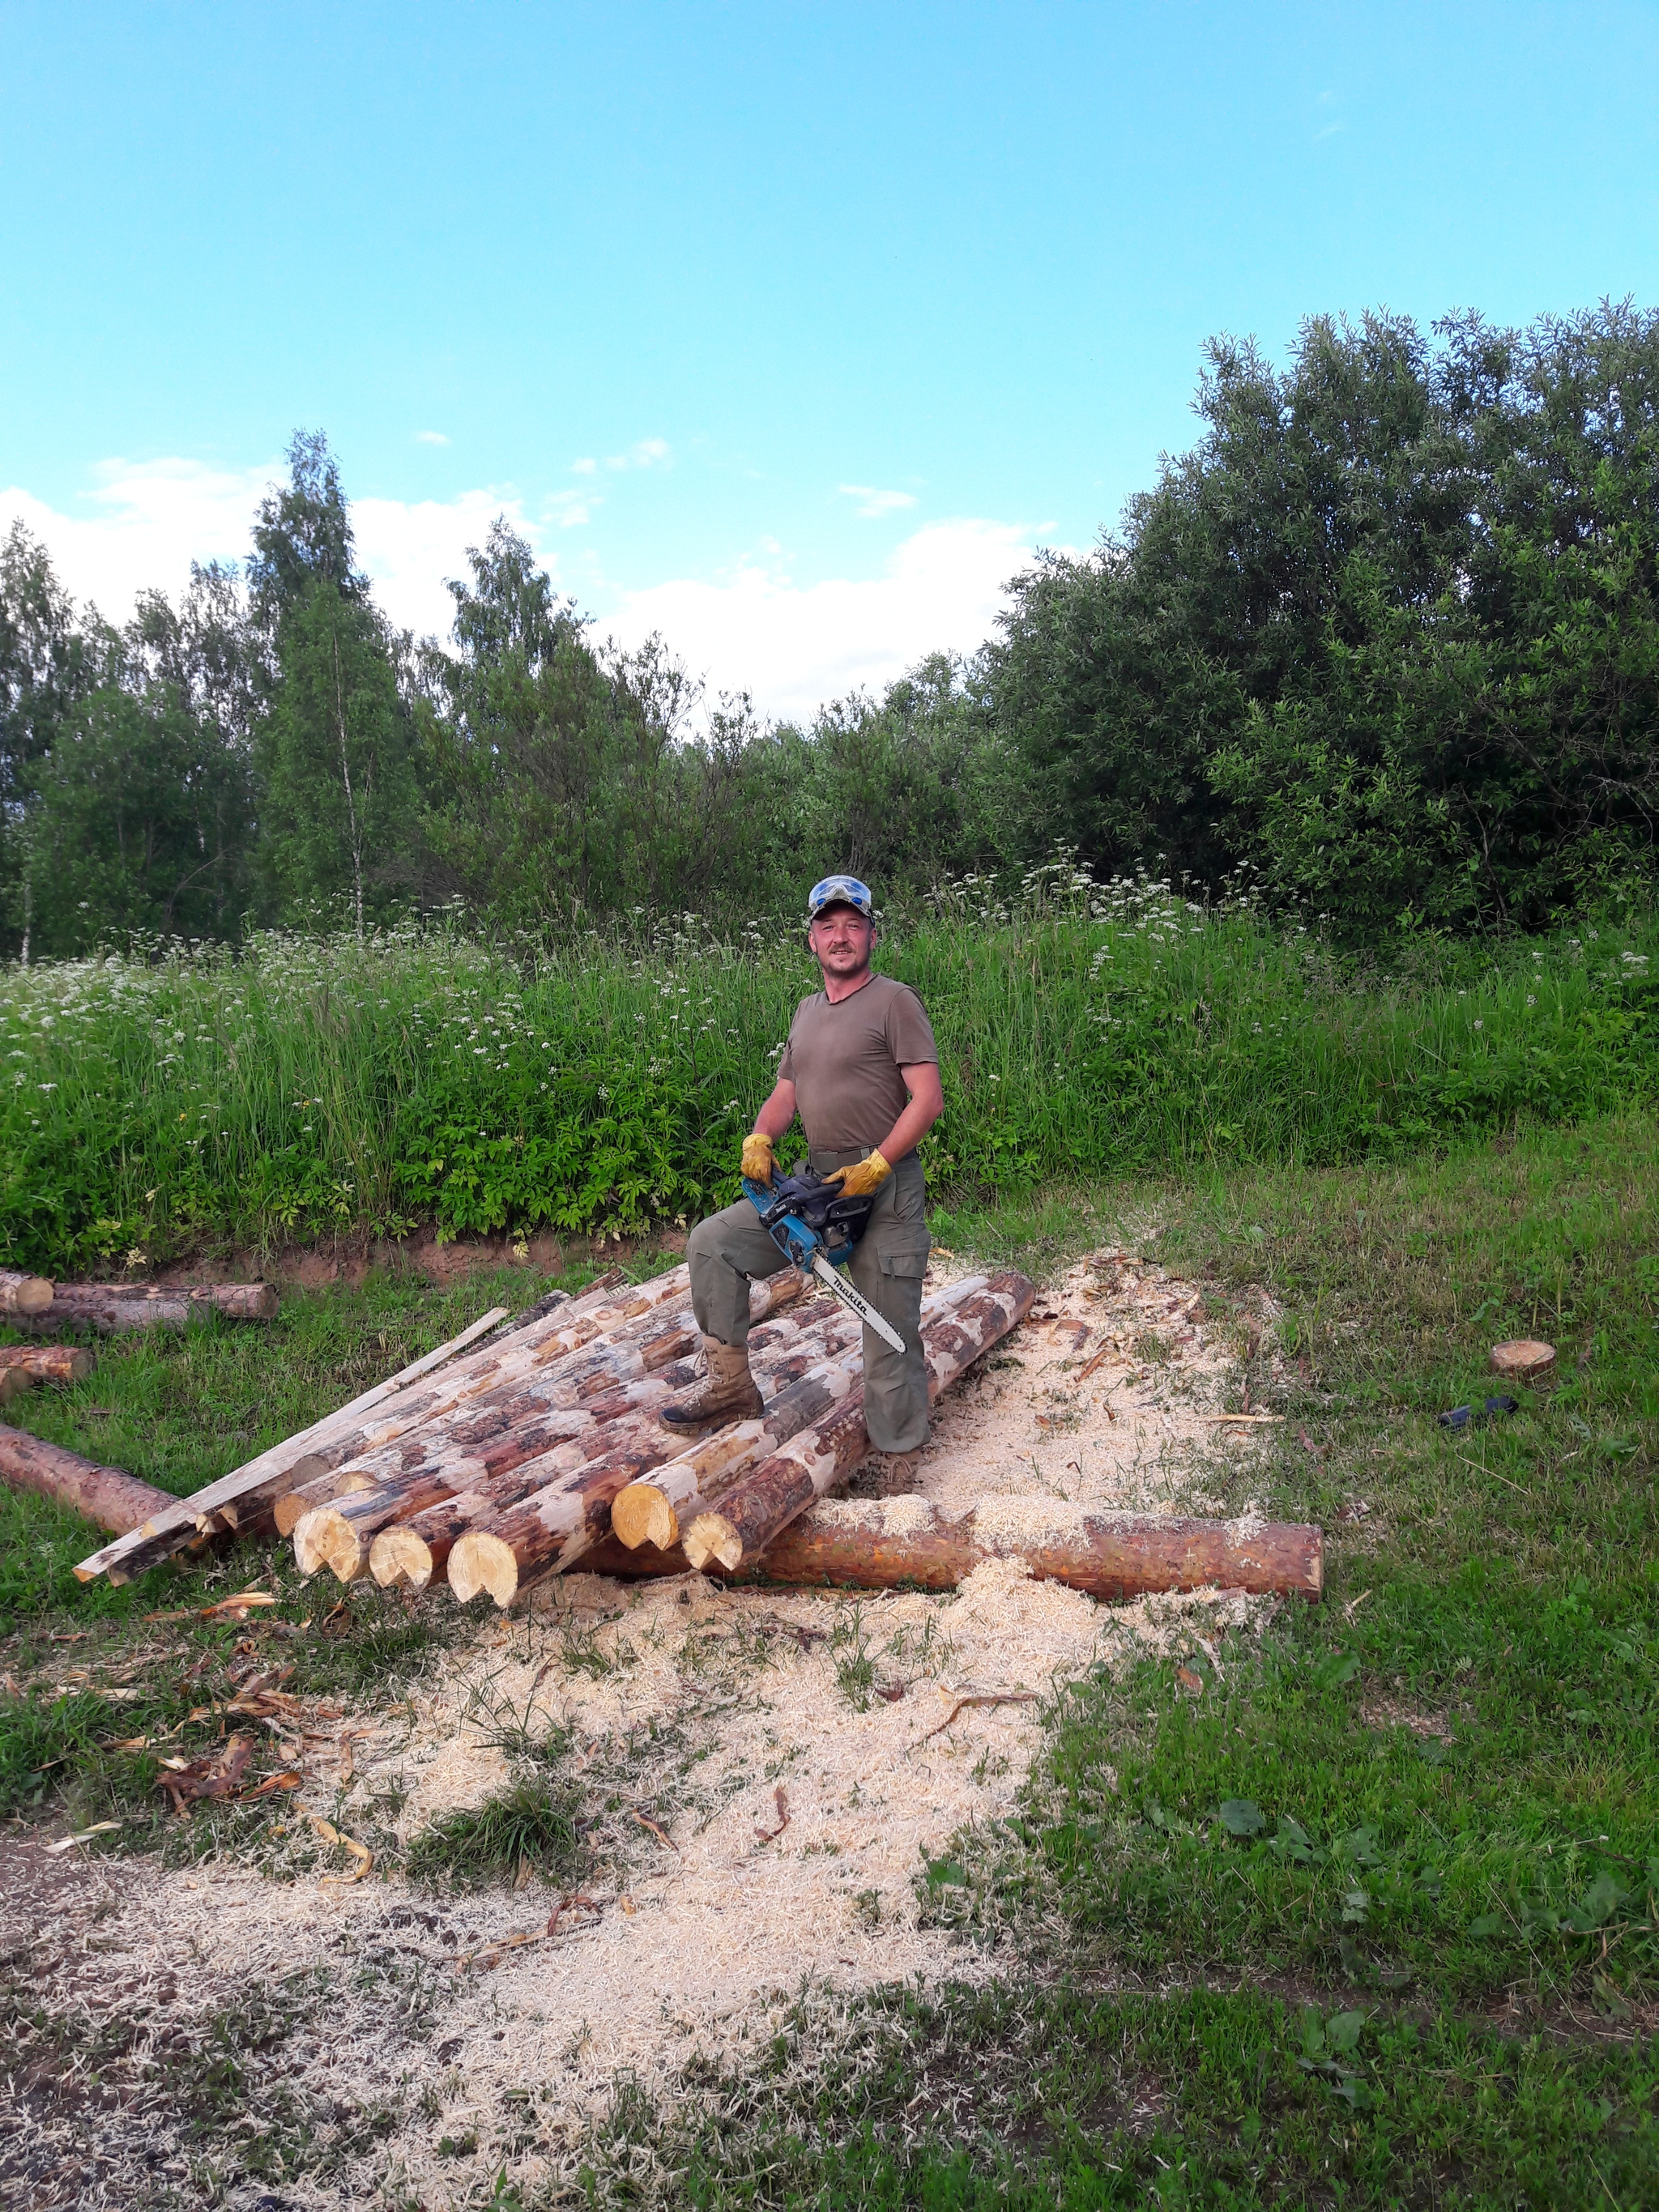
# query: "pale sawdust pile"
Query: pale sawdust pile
{"points": [[697, 1706]]}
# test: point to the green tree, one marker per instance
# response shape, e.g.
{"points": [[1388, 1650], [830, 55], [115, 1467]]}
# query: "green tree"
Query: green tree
{"points": [[43, 670], [339, 798], [139, 821]]}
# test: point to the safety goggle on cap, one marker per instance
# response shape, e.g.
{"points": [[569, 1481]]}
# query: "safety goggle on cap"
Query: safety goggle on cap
{"points": [[839, 890]]}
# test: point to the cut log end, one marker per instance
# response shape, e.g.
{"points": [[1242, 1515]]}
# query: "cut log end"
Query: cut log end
{"points": [[642, 1515], [288, 1511], [324, 1538], [1522, 1359], [481, 1562], [712, 1537], [24, 1294], [399, 1560]]}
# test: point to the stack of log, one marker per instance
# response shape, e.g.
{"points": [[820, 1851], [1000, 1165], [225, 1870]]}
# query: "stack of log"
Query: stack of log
{"points": [[31, 1302], [490, 1467]]}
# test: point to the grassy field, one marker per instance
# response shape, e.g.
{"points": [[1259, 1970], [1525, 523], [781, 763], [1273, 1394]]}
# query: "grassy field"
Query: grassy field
{"points": [[1369, 1919], [318, 1087]]}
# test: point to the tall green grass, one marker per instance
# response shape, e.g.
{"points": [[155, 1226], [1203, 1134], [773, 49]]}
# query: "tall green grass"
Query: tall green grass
{"points": [[163, 1100]]}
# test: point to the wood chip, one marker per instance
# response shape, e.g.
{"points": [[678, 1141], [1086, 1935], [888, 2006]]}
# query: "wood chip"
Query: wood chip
{"points": [[990, 1698], [68, 1843], [771, 1835], [645, 1822]]}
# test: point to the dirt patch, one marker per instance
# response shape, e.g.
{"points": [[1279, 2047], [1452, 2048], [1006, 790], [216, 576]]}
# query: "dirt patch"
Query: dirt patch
{"points": [[766, 1778]]}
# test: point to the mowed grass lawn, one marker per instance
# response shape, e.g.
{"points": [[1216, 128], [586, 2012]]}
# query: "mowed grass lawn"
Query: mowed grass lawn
{"points": [[1370, 1918]]}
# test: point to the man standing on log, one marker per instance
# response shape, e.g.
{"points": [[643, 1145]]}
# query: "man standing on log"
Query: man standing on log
{"points": [[862, 1068]]}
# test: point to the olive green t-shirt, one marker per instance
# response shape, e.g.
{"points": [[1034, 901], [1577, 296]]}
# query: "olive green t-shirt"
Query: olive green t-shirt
{"points": [[844, 1061]]}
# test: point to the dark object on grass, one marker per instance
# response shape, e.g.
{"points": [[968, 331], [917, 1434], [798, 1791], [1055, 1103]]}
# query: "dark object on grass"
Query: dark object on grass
{"points": [[1461, 1416]]}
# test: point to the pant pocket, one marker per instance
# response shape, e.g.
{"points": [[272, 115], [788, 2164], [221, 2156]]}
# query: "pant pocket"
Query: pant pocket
{"points": [[902, 1250]]}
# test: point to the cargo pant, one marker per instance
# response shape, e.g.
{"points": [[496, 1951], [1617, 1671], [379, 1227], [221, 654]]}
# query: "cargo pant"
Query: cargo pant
{"points": [[731, 1248]]}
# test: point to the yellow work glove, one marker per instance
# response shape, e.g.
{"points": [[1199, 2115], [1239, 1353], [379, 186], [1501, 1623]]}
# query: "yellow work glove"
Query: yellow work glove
{"points": [[864, 1179], [758, 1163]]}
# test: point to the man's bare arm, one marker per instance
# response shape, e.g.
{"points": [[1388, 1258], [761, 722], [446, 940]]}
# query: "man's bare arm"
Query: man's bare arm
{"points": [[926, 1104], [774, 1117]]}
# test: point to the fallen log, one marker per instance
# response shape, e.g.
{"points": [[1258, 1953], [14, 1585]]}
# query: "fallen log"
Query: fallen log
{"points": [[751, 1514], [23, 1294], [652, 1509], [891, 1543], [504, 1429], [47, 1363], [115, 1306], [542, 1534], [104, 1495], [243, 1499], [411, 1553]]}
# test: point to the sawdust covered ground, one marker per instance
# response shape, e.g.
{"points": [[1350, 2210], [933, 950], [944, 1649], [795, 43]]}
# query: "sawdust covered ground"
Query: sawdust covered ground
{"points": [[799, 1759]]}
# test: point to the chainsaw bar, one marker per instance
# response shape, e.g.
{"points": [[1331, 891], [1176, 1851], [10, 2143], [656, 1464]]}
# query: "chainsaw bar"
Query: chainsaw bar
{"points": [[834, 1280]]}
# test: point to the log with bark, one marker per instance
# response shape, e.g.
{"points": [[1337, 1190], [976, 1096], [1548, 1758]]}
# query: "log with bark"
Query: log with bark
{"points": [[520, 1419], [653, 1510], [47, 1363], [23, 1294], [751, 1514], [114, 1306], [104, 1495], [243, 1499], [411, 1551], [909, 1543], [513, 1449], [544, 1533]]}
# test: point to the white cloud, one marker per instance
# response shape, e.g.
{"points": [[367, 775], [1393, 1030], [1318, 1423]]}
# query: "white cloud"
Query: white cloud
{"points": [[430, 438], [792, 646], [584, 468], [145, 523], [644, 453], [873, 503], [148, 521]]}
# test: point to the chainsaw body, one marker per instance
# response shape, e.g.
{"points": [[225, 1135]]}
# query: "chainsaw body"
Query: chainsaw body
{"points": [[804, 1216]]}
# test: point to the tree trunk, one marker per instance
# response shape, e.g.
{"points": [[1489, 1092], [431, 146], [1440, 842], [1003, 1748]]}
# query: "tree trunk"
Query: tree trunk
{"points": [[766, 1500], [544, 1531], [890, 1542], [103, 1495], [413, 1549], [113, 1306], [517, 1422], [515, 1450], [654, 1510], [243, 1499], [47, 1363], [23, 1294]]}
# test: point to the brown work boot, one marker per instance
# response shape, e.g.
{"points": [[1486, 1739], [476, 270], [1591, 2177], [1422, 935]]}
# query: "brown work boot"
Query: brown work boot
{"points": [[886, 1474], [727, 1392]]}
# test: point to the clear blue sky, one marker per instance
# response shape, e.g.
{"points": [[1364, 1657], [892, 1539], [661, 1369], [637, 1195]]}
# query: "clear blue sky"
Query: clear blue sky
{"points": [[962, 255]]}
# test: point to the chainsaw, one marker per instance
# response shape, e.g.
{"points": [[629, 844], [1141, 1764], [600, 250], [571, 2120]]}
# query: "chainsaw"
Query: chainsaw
{"points": [[816, 1227]]}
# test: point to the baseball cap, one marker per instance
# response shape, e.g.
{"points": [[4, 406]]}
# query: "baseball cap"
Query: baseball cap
{"points": [[839, 890]]}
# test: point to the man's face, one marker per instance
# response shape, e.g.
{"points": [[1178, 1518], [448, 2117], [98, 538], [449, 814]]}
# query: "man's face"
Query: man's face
{"points": [[841, 939]]}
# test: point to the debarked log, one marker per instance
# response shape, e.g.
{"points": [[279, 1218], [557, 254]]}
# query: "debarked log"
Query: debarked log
{"points": [[653, 1510], [909, 1543], [411, 1552], [242, 1499], [751, 1514], [104, 1495], [47, 1363], [502, 1553], [113, 1306], [23, 1294], [497, 1431]]}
